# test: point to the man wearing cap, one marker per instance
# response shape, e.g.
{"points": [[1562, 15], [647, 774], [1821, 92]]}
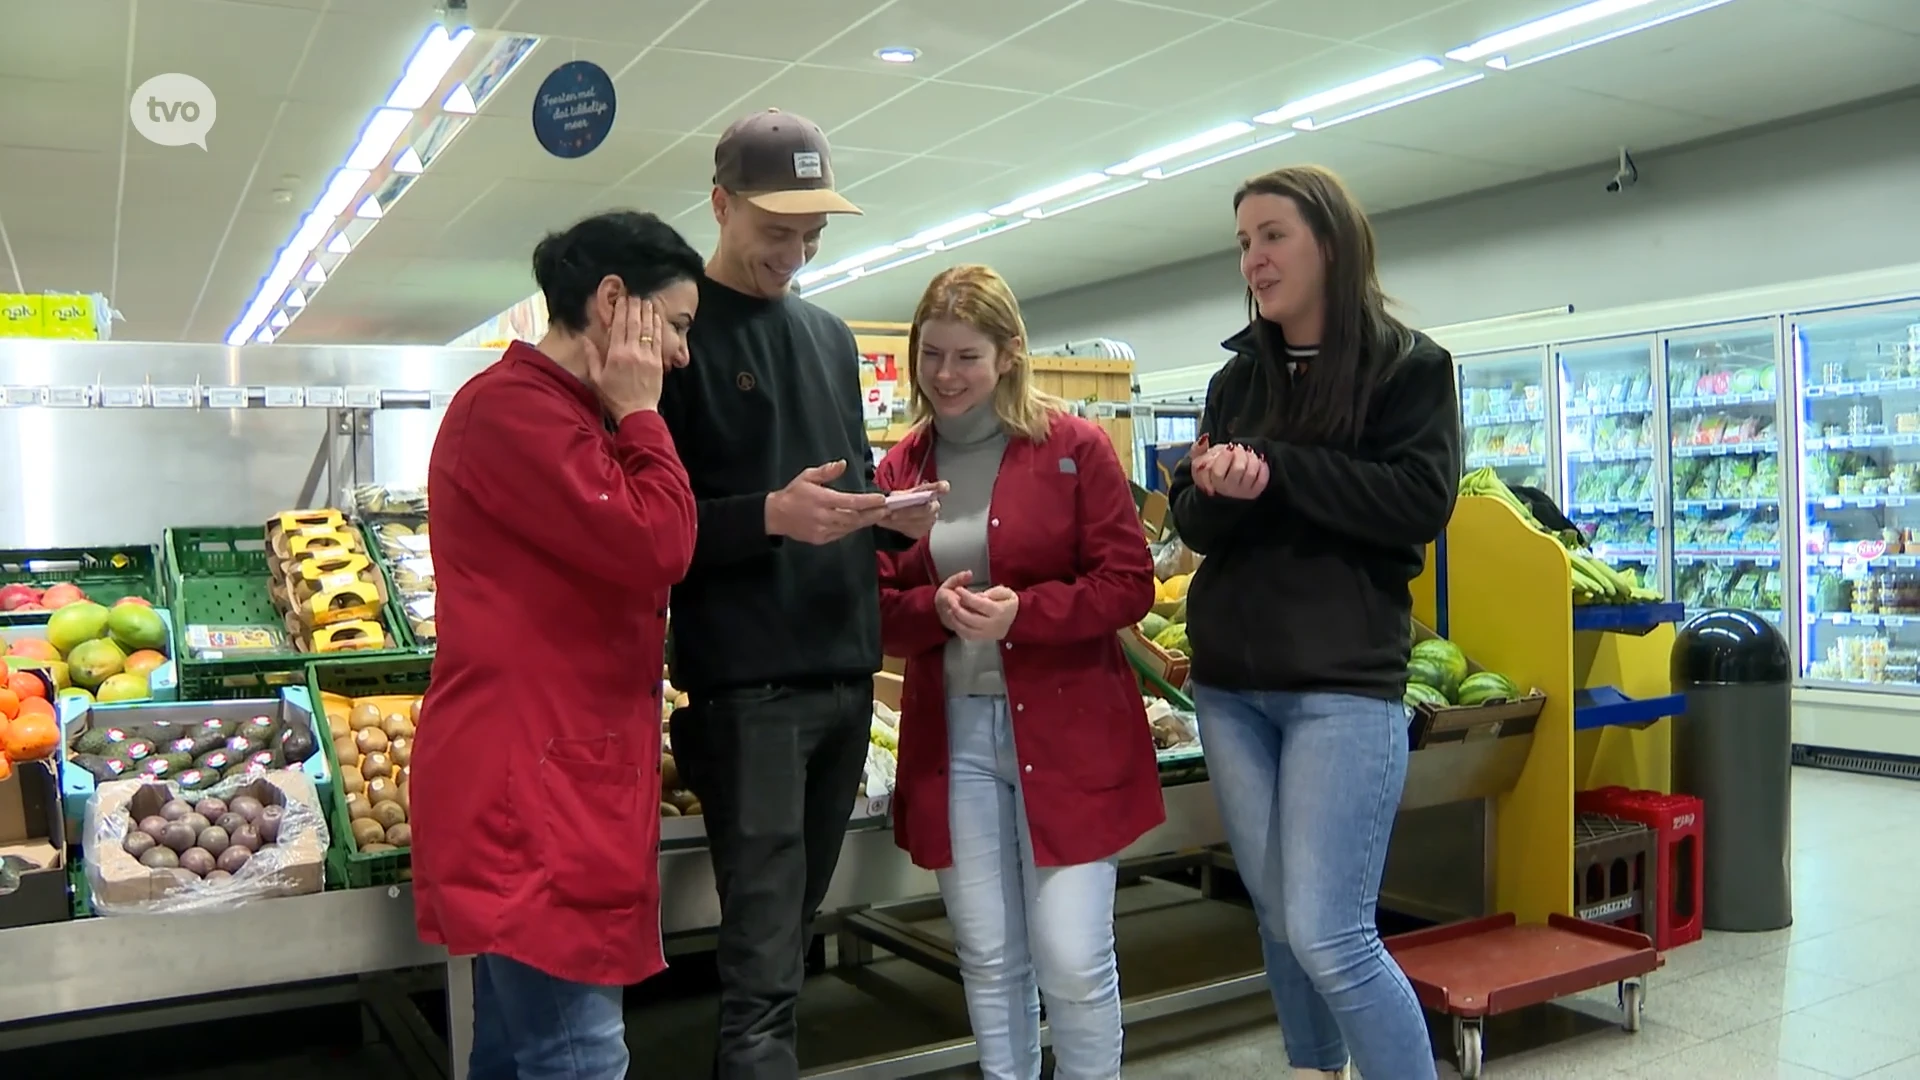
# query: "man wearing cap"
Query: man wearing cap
{"points": [[775, 632]]}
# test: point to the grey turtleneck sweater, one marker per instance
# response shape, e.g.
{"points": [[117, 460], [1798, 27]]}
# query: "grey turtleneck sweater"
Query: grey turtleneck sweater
{"points": [[967, 450]]}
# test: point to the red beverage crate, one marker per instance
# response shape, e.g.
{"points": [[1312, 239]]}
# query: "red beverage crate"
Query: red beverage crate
{"points": [[1679, 826]]}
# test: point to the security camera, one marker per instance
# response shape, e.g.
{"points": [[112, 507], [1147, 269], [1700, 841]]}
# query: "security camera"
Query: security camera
{"points": [[1626, 176]]}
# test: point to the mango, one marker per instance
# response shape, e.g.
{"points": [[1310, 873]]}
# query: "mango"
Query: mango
{"points": [[92, 663], [76, 623], [136, 627], [125, 686]]}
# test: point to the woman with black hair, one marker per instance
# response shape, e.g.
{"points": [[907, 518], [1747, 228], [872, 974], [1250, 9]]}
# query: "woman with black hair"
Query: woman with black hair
{"points": [[561, 517], [1329, 458]]}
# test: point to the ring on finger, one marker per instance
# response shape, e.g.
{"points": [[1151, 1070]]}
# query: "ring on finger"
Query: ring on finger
{"points": [[646, 339]]}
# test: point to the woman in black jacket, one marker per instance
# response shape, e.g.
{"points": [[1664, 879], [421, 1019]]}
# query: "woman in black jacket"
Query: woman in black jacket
{"points": [[1329, 458]]}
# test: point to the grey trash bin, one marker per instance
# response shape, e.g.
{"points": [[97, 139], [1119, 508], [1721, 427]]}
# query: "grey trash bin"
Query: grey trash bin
{"points": [[1734, 751]]}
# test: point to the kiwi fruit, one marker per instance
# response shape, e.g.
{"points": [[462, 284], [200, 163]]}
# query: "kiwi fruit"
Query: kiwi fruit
{"points": [[401, 835], [377, 848], [397, 727], [682, 799], [400, 751], [376, 766], [359, 806], [692, 809], [368, 831], [346, 750], [371, 740], [352, 780], [365, 715], [389, 814], [337, 726], [667, 809], [669, 773], [382, 789], [413, 712]]}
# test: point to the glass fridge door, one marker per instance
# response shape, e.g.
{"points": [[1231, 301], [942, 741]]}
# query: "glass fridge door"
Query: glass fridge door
{"points": [[1503, 415], [1609, 429], [1860, 482], [1724, 426]]}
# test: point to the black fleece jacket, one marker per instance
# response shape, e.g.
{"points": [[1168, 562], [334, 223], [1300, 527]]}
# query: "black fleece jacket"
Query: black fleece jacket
{"points": [[1305, 588]]}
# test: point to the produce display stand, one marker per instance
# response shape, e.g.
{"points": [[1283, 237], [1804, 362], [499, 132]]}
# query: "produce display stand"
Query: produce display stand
{"points": [[1473, 970], [104, 574]]}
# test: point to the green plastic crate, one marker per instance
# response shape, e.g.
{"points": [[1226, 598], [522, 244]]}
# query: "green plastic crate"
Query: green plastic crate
{"points": [[218, 574], [360, 676], [396, 613], [106, 574]]}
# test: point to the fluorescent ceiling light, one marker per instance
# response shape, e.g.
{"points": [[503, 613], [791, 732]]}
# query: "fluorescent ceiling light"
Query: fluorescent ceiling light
{"points": [[911, 256], [296, 300], [346, 183], [1045, 195], [279, 321], [378, 138], [1228, 155], [409, 163], [1038, 214], [1310, 124], [1148, 160], [1003, 227], [941, 232], [315, 275], [369, 209], [1340, 95], [265, 337], [855, 261], [431, 61], [1559, 22], [898, 54], [460, 102], [828, 287], [340, 245], [1506, 63]]}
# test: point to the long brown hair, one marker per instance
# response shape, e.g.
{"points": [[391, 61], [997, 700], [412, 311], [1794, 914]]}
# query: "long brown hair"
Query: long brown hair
{"points": [[980, 298], [1360, 341]]}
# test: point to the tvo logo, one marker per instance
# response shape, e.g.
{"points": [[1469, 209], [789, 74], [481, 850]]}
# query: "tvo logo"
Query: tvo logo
{"points": [[173, 110]]}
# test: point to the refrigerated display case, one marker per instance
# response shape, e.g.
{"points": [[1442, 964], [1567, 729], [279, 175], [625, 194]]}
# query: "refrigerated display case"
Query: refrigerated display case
{"points": [[1859, 371], [1723, 422], [1503, 411], [1609, 430]]}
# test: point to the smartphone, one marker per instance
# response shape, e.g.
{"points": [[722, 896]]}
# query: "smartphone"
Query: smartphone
{"points": [[900, 500]]}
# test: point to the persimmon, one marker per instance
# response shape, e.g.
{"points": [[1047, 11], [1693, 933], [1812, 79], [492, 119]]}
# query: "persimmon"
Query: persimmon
{"points": [[37, 706], [6, 768], [9, 703], [25, 684], [32, 737]]}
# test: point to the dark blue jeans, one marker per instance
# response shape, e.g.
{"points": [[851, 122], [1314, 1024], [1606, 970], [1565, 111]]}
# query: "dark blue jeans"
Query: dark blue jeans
{"points": [[528, 1025]]}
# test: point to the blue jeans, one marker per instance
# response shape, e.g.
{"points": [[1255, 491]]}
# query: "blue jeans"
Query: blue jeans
{"points": [[1308, 785], [1022, 932], [528, 1025]]}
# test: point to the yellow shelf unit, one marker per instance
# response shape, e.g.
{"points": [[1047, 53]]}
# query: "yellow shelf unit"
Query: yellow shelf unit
{"points": [[1502, 591]]}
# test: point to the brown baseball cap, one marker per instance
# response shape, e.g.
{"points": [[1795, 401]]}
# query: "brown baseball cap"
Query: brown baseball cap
{"points": [[781, 163]]}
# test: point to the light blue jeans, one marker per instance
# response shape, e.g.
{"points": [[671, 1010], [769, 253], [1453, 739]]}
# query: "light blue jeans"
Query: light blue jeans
{"points": [[528, 1025], [1022, 933], [1308, 785]]}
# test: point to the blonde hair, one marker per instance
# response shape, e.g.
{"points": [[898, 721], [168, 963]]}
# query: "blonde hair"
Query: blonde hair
{"points": [[980, 298]]}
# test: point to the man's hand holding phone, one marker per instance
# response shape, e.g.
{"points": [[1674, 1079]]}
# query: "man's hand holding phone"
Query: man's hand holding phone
{"points": [[809, 511]]}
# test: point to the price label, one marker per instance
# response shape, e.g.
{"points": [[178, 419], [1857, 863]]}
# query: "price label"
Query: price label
{"points": [[1816, 391], [1604, 455], [1840, 618], [286, 397], [23, 397], [326, 397], [1724, 560], [1853, 568], [1869, 620], [1718, 450], [1895, 501], [1856, 442], [176, 397], [1716, 504], [122, 397], [69, 397], [363, 397], [1871, 386], [226, 397], [1833, 503], [1906, 439], [439, 399], [1767, 560]]}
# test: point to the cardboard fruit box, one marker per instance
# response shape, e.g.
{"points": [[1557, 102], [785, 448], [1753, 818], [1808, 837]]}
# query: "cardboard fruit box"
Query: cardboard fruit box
{"points": [[1459, 723], [1172, 667]]}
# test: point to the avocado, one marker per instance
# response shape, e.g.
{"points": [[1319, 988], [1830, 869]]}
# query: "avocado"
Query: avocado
{"points": [[91, 743], [196, 779]]}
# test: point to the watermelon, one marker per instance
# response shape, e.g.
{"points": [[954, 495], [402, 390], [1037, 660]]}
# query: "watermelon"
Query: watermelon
{"points": [[1424, 672], [1486, 686], [1419, 694], [1452, 662], [1152, 626]]}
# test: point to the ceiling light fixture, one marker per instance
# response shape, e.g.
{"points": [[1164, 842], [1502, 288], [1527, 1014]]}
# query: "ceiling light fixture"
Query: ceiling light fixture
{"points": [[1213, 137], [897, 54], [1504, 62], [1558, 22], [1047, 194], [354, 191], [1308, 123], [1358, 88], [1042, 213], [1227, 155]]}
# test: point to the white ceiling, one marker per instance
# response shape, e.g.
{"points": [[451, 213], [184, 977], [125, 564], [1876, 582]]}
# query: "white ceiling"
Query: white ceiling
{"points": [[1008, 96]]}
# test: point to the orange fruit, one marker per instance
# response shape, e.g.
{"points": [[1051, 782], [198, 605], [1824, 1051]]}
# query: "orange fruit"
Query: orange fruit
{"points": [[6, 767], [32, 738], [25, 684], [9, 703], [34, 706]]}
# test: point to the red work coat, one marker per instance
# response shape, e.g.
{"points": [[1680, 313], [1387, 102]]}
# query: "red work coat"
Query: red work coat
{"points": [[536, 770], [1063, 533]]}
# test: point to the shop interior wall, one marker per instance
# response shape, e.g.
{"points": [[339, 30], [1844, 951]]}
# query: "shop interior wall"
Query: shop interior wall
{"points": [[1821, 195]]}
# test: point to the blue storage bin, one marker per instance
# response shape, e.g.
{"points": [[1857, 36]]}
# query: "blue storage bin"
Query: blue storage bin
{"points": [[164, 683]]}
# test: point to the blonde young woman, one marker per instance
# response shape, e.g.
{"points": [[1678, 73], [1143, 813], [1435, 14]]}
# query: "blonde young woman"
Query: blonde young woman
{"points": [[1026, 764]]}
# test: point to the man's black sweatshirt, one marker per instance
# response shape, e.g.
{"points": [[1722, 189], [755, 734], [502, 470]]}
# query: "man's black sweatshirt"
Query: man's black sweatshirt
{"points": [[773, 388], [1305, 588]]}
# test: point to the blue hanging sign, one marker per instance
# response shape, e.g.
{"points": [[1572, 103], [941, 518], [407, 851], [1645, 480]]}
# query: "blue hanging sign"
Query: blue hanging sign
{"points": [[573, 109]]}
